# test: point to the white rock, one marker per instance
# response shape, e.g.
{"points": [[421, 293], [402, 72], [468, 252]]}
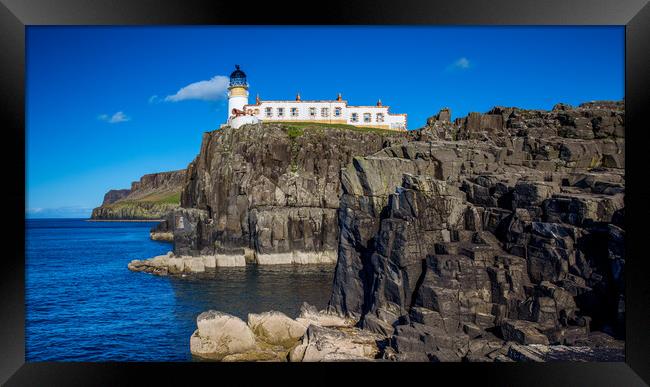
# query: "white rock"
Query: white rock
{"points": [[331, 344], [315, 257], [220, 334], [223, 260], [162, 236], [159, 261], [194, 265], [274, 259], [209, 261], [310, 315], [249, 255], [298, 257], [276, 328], [176, 265]]}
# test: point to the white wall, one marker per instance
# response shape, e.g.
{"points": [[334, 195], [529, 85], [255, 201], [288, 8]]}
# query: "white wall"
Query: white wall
{"points": [[304, 112], [238, 121], [237, 102]]}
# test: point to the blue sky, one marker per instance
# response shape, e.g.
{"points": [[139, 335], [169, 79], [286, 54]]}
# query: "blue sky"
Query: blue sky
{"points": [[106, 105]]}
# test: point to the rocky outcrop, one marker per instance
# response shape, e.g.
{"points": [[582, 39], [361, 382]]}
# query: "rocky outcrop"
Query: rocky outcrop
{"points": [[331, 344], [268, 193], [512, 232], [171, 264], [153, 197], [114, 195], [276, 328], [273, 336], [219, 335], [161, 236]]}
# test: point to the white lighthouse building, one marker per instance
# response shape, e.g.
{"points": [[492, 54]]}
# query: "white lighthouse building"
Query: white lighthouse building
{"points": [[238, 99], [336, 111]]}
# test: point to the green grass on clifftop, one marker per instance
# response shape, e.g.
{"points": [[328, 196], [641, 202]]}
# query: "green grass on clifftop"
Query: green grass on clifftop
{"points": [[155, 198], [297, 129]]}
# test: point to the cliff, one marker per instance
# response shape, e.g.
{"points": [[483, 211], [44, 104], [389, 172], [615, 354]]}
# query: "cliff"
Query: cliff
{"points": [[152, 197], [268, 193], [114, 195], [493, 237], [501, 227]]}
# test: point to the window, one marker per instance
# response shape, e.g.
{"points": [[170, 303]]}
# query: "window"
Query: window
{"points": [[269, 112], [280, 112], [337, 112], [366, 117], [380, 117], [355, 117], [312, 112], [324, 112], [294, 112]]}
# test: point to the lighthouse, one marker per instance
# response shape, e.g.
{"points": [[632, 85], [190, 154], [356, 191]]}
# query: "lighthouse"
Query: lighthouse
{"points": [[337, 111], [237, 91]]}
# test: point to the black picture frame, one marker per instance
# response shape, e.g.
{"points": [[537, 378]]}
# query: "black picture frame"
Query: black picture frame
{"points": [[15, 15]]}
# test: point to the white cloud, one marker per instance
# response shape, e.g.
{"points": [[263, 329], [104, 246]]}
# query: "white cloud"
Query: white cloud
{"points": [[115, 118], [460, 64], [154, 99], [211, 90]]}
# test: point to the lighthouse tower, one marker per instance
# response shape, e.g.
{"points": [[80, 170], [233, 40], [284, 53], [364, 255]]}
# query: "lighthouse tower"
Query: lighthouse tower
{"points": [[238, 99], [237, 91]]}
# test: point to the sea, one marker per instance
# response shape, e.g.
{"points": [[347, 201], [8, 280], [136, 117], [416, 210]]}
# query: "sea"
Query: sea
{"points": [[84, 304]]}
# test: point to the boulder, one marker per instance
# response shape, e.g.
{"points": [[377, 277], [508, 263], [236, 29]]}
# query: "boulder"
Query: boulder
{"points": [[523, 332], [309, 315], [276, 328], [220, 334], [331, 344]]}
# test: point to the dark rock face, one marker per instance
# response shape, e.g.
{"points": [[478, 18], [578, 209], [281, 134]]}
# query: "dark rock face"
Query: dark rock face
{"points": [[156, 182], [152, 197], [268, 192], [114, 195], [511, 233]]}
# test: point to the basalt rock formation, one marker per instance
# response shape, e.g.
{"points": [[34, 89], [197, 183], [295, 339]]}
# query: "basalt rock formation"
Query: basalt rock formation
{"points": [[498, 228], [152, 197], [493, 237], [267, 193]]}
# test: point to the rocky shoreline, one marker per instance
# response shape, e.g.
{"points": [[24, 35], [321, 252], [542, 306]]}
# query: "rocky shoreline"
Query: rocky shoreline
{"points": [[317, 336], [171, 264], [272, 336]]}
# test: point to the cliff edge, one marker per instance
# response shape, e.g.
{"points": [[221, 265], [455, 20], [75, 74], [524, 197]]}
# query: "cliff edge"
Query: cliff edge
{"points": [[152, 197]]}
